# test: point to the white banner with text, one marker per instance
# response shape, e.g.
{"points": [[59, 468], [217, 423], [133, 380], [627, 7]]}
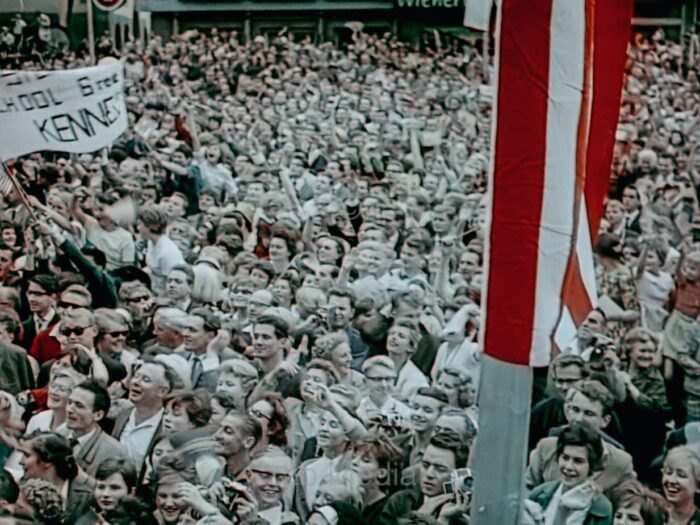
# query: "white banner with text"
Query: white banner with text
{"points": [[78, 110]]}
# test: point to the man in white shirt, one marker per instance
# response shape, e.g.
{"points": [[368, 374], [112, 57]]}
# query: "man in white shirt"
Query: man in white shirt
{"points": [[136, 428], [162, 253], [268, 475], [87, 405], [380, 373]]}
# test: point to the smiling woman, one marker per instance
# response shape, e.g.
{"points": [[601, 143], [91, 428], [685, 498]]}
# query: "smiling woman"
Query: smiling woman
{"points": [[575, 498], [680, 481]]}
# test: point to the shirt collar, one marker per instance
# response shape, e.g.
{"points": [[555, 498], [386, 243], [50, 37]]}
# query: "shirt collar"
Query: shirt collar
{"points": [[46, 318], [86, 437], [154, 420]]}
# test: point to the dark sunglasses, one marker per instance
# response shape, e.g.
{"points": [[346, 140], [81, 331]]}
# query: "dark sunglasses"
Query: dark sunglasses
{"points": [[63, 304], [137, 299], [78, 330], [118, 333]]}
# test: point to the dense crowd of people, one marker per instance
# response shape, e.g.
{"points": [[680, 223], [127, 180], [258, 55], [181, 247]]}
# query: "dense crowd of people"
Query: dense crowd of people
{"points": [[261, 305]]}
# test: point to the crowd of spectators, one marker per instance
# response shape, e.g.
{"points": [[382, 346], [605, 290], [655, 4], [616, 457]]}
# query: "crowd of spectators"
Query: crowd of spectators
{"points": [[261, 304]]}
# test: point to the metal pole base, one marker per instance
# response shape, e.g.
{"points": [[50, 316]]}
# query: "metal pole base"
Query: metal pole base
{"points": [[500, 454]]}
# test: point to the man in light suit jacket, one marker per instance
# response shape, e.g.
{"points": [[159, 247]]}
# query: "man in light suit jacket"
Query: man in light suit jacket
{"points": [[591, 403], [87, 405]]}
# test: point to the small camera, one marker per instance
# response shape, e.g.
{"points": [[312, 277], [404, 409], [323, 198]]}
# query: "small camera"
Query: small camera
{"points": [[461, 483]]}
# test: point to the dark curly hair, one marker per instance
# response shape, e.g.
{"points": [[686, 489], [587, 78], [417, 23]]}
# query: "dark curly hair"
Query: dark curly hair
{"points": [[580, 434], [279, 422], [54, 449]]}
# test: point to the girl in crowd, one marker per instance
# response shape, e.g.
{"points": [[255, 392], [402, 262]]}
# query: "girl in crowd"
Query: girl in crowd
{"points": [[645, 409], [11, 425], [270, 412], [115, 480], [337, 429], [680, 481], [654, 286], [615, 280], [63, 379], [335, 348], [345, 486], [304, 415], [685, 304], [376, 460], [49, 456], [283, 248], [186, 411], [575, 499], [636, 505], [237, 378]]}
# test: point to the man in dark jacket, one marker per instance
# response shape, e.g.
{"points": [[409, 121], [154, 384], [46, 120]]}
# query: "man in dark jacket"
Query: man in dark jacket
{"points": [[90, 263], [15, 370], [445, 454]]}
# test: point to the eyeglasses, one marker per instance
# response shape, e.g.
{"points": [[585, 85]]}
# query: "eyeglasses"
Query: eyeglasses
{"points": [[36, 292], [59, 388], [63, 304], [77, 330], [256, 413], [266, 475], [378, 379], [137, 299], [566, 381], [118, 333]]}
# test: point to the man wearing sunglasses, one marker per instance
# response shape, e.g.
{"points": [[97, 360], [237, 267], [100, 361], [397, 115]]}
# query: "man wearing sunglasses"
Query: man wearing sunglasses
{"points": [[77, 335]]}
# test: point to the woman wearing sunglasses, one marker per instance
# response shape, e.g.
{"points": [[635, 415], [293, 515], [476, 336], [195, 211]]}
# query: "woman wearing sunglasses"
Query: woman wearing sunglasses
{"points": [[112, 334]]}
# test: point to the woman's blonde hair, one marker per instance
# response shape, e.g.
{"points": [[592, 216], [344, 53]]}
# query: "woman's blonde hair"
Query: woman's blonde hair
{"points": [[689, 455], [352, 487], [9, 405], [325, 345], [243, 370]]}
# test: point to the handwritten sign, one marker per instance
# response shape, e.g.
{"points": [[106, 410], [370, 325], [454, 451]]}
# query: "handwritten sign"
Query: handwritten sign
{"points": [[78, 110]]}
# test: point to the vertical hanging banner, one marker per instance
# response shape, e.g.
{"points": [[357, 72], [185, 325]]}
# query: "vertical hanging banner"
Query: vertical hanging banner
{"points": [[78, 110], [560, 68]]}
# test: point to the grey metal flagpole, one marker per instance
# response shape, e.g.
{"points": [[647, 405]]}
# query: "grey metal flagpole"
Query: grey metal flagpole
{"points": [[91, 31], [500, 451]]}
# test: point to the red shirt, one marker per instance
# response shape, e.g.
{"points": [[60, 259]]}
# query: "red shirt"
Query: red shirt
{"points": [[45, 346], [687, 297]]}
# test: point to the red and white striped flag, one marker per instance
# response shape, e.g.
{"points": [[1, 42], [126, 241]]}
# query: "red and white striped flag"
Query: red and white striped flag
{"points": [[560, 66]]}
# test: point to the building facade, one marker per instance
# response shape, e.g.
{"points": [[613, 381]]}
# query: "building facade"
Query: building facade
{"points": [[322, 20]]}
